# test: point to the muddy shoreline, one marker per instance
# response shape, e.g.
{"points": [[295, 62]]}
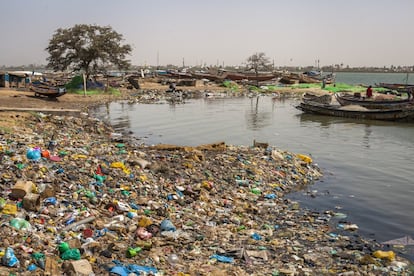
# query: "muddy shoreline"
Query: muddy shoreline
{"points": [[225, 205]]}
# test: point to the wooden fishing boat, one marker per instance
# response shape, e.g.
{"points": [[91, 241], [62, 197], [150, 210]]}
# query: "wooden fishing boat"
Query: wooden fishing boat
{"points": [[357, 112], [251, 76], [394, 85], [400, 87], [287, 79], [351, 99], [294, 78], [202, 75], [47, 90], [178, 75]]}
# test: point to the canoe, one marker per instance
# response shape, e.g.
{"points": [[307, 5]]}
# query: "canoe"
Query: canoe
{"points": [[208, 76], [294, 78], [350, 99], [394, 85], [248, 76], [47, 90], [400, 87], [357, 112]]}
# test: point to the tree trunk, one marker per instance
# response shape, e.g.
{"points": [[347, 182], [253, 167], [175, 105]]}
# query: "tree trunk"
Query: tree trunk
{"points": [[84, 85]]}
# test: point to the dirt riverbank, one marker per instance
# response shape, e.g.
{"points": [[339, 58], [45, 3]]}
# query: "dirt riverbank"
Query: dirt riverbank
{"points": [[209, 210]]}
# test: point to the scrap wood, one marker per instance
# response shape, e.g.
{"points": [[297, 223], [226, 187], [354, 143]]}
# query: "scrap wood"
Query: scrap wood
{"points": [[212, 146]]}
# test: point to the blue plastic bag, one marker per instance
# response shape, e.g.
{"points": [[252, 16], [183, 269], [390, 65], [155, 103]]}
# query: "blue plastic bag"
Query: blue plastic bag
{"points": [[9, 259], [137, 269], [33, 154], [256, 237], [119, 270], [32, 267], [124, 270], [167, 225], [270, 196], [50, 201], [222, 259]]}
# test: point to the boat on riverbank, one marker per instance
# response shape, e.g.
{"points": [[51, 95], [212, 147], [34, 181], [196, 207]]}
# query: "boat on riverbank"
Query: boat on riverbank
{"points": [[236, 76], [345, 99], [356, 111], [41, 89], [292, 78]]}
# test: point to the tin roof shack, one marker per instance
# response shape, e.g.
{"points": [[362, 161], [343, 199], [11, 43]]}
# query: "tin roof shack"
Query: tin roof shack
{"points": [[18, 79]]}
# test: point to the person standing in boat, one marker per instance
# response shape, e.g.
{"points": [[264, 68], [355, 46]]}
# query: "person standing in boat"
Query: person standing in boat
{"points": [[369, 92]]}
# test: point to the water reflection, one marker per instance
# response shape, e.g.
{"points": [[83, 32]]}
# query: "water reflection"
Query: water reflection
{"points": [[326, 121], [256, 119], [367, 133], [323, 121], [123, 121]]}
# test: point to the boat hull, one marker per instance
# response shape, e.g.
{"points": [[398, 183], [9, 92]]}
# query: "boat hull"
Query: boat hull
{"points": [[348, 99], [48, 91], [403, 88], [367, 114]]}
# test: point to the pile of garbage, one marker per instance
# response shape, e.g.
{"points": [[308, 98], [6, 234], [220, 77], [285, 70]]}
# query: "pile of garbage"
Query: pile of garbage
{"points": [[79, 199]]}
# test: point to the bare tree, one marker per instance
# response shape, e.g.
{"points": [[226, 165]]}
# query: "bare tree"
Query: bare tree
{"points": [[257, 62]]}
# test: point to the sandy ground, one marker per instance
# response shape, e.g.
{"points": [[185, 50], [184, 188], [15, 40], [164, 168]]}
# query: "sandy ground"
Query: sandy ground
{"points": [[26, 99], [12, 98]]}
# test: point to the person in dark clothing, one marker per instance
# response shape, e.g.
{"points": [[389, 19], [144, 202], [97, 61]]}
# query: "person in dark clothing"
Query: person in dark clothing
{"points": [[369, 92], [172, 87]]}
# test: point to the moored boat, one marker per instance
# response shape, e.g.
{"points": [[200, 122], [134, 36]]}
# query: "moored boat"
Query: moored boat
{"points": [[400, 87], [394, 85], [251, 76], [351, 99], [357, 112], [293, 78]]}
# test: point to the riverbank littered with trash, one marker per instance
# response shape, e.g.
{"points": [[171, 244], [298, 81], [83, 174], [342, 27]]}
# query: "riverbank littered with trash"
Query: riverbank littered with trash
{"points": [[79, 199]]}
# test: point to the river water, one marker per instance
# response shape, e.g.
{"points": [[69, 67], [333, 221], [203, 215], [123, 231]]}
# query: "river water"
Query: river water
{"points": [[367, 165]]}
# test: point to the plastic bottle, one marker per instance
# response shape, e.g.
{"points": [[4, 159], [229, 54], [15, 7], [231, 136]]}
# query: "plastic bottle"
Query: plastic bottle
{"points": [[20, 224], [390, 255], [173, 259]]}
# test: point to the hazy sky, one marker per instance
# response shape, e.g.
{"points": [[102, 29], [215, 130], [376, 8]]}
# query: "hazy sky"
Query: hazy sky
{"points": [[290, 32]]}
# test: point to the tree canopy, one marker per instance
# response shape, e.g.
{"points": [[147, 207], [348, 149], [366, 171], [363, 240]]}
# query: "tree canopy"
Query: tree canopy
{"points": [[257, 62], [90, 48]]}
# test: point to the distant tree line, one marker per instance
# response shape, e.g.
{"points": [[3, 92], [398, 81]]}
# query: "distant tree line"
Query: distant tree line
{"points": [[392, 69]]}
